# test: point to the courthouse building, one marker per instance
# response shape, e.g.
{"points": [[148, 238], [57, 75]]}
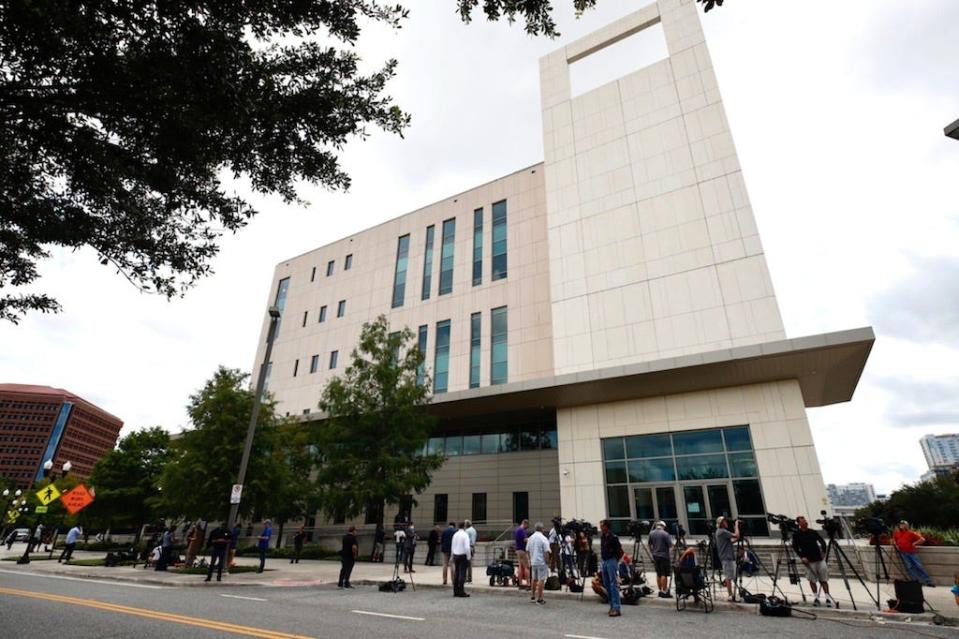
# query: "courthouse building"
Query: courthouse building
{"points": [[600, 328]]}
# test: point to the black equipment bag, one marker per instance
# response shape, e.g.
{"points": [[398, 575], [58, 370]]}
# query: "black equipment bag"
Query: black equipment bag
{"points": [[909, 596], [774, 607], [552, 583], [393, 585]]}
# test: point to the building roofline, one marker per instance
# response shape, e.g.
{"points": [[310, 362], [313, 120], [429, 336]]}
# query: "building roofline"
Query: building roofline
{"points": [[416, 210], [40, 390]]}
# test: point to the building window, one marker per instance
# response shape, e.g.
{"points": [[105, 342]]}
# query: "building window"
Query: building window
{"points": [[322, 314], [441, 357], [399, 275], [499, 368], [421, 346], [329, 267], [499, 240], [341, 308], [348, 262], [333, 356], [475, 329], [446, 256], [280, 303], [305, 313], [477, 247], [520, 506], [479, 507], [296, 367], [709, 473], [428, 263], [440, 508], [266, 377], [313, 274], [314, 363]]}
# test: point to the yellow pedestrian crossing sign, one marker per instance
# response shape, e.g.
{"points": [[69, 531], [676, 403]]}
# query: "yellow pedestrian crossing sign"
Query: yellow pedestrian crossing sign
{"points": [[48, 494], [12, 516]]}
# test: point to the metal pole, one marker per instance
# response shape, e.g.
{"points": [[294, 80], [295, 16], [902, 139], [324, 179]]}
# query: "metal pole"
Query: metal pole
{"points": [[260, 383]]}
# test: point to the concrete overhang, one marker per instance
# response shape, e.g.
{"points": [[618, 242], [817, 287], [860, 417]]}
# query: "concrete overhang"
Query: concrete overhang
{"points": [[952, 130], [827, 367]]}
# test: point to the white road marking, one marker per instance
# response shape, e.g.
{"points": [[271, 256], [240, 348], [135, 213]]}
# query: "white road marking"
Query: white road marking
{"points": [[123, 584], [581, 637], [383, 614], [247, 598]]}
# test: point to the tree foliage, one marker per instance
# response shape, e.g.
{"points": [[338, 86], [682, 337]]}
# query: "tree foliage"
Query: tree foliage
{"points": [[196, 483], [126, 481], [120, 121], [933, 503], [536, 14], [372, 442]]}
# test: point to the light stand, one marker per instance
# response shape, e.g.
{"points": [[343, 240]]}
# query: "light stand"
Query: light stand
{"points": [[25, 559], [6, 508]]}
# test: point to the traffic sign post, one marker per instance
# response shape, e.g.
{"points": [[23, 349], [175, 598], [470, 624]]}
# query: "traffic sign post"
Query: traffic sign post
{"points": [[236, 493], [40, 510], [76, 499], [48, 494]]}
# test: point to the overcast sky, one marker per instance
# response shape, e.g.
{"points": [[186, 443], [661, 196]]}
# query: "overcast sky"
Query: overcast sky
{"points": [[837, 110]]}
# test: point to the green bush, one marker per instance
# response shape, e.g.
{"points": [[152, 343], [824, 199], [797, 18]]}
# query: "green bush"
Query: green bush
{"points": [[940, 537], [932, 505]]}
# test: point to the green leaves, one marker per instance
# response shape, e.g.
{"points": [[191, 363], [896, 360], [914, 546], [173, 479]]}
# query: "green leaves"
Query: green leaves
{"points": [[372, 442], [116, 121]]}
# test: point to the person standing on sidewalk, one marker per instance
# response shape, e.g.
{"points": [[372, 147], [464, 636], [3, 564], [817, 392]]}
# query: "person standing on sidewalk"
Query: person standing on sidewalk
{"points": [[409, 548], [166, 549], [234, 540], [194, 543], [471, 532], [611, 552], [72, 536], [460, 547], [811, 549], [347, 558], [906, 541], [432, 541], [446, 547], [298, 540], [379, 544], [219, 543], [659, 544], [263, 543], [537, 546], [519, 537]]}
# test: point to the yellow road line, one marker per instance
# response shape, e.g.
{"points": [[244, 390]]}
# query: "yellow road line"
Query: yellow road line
{"points": [[154, 614]]}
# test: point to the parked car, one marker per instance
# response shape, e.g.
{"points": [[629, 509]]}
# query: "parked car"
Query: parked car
{"points": [[22, 534]]}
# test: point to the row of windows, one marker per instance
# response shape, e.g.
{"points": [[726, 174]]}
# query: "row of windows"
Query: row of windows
{"points": [[511, 441], [18, 427], [331, 265], [321, 316], [447, 245], [27, 417], [441, 508], [315, 363], [499, 364], [29, 405]]}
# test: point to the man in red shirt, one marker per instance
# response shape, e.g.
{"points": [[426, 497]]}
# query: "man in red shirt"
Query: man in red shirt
{"points": [[906, 541]]}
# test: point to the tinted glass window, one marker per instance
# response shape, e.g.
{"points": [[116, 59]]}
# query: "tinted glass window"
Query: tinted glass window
{"points": [[477, 247], [499, 240], [616, 472], [441, 359], [499, 367], [613, 448], [446, 256], [399, 274], [648, 446], [472, 444], [737, 438], [475, 328], [643, 470], [617, 501], [696, 442], [701, 467], [428, 263]]}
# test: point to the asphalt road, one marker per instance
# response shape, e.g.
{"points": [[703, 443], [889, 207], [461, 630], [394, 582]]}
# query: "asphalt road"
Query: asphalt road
{"points": [[35, 606]]}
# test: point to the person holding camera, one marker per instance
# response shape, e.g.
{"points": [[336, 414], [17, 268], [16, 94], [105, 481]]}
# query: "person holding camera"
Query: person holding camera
{"points": [[659, 544], [811, 550], [727, 552]]}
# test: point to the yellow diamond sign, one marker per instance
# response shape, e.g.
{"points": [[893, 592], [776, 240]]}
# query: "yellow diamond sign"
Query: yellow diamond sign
{"points": [[48, 494]]}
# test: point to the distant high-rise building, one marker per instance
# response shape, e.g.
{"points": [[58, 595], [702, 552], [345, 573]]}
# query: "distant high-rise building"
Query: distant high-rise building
{"points": [[40, 423], [853, 495], [940, 450]]}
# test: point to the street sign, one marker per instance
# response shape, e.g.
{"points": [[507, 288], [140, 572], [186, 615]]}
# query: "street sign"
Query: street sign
{"points": [[47, 494], [235, 493], [77, 499], [12, 516], [40, 510]]}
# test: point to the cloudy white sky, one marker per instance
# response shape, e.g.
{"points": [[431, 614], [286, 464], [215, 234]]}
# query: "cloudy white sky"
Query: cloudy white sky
{"points": [[837, 109]]}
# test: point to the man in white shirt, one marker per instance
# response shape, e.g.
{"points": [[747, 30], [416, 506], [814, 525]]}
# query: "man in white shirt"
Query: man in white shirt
{"points": [[400, 536], [461, 557], [471, 532], [537, 546]]}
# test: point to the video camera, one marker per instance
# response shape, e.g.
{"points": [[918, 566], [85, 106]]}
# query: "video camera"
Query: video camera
{"points": [[786, 524], [575, 526], [637, 529], [871, 526], [831, 525]]}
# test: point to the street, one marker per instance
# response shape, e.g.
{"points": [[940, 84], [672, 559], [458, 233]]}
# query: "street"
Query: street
{"points": [[34, 605]]}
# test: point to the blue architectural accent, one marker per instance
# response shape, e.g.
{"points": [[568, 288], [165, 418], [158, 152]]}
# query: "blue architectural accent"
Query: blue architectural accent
{"points": [[55, 437]]}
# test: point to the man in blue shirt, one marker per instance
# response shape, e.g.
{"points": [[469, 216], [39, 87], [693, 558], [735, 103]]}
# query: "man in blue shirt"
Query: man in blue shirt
{"points": [[264, 542], [72, 537], [446, 547]]}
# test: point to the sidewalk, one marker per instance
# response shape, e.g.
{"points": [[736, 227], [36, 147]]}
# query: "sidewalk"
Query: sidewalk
{"points": [[280, 573]]}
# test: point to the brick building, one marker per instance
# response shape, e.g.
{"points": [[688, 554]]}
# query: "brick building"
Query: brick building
{"points": [[38, 423]]}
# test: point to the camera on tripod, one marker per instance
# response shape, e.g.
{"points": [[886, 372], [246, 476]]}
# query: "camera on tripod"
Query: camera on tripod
{"points": [[575, 526], [831, 525], [786, 524], [638, 528], [871, 526]]}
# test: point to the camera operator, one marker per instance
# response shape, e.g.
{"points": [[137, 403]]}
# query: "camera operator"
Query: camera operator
{"points": [[811, 550], [659, 544], [727, 553]]}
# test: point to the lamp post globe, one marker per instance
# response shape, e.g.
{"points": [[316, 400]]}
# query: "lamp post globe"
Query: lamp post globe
{"points": [[67, 466]]}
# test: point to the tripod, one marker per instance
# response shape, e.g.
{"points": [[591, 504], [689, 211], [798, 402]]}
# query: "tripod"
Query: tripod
{"points": [[742, 546], [396, 571], [843, 560], [786, 557]]}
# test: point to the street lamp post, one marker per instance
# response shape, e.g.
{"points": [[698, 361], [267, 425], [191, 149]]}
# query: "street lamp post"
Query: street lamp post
{"points": [[64, 471], [260, 383], [25, 559]]}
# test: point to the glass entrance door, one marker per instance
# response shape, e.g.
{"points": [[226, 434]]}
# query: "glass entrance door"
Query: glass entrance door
{"points": [[696, 513], [719, 502], [654, 503]]}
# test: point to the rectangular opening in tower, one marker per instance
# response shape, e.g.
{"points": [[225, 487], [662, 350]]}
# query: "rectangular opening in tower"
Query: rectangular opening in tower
{"points": [[616, 58]]}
